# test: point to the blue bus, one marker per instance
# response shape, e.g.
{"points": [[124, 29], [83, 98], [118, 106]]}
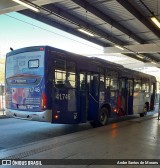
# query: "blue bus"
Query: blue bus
{"points": [[48, 84]]}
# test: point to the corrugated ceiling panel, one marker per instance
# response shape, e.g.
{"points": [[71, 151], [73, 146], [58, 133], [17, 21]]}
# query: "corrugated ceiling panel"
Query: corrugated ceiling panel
{"points": [[114, 10], [153, 5], [95, 21], [119, 13], [156, 55], [157, 42], [135, 26], [114, 32], [148, 36], [62, 21], [105, 40], [67, 4]]}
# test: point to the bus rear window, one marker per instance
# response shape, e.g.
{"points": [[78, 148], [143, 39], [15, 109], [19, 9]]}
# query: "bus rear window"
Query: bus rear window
{"points": [[33, 63]]}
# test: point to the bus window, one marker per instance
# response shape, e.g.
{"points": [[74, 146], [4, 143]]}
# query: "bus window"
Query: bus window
{"points": [[152, 88], [102, 84], [114, 84], [112, 80], [93, 81], [71, 75], [31, 63], [88, 81], [130, 87], [60, 73], [145, 86], [107, 82], [82, 81], [137, 85], [64, 74]]}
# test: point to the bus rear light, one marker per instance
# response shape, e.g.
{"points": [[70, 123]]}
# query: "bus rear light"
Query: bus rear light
{"points": [[44, 101], [115, 110], [55, 116]]}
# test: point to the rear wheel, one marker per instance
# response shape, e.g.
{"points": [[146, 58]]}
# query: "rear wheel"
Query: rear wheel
{"points": [[141, 114], [145, 109], [102, 118]]}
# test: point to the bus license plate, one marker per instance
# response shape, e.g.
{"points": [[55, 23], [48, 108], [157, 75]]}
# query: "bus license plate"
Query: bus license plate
{"points": [[22, 107]]}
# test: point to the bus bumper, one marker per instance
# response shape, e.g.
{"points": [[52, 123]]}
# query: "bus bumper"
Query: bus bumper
{"points": [[44, 116]]}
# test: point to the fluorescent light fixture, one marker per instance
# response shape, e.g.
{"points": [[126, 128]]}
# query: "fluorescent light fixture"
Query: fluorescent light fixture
{"points": [[86, 32], [26, 5], [119, 47], [153, 62], [139, 56], [155, 21]]}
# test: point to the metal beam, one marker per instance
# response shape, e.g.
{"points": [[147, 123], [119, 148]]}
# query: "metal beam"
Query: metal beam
{"points": [[89, 7], [7, 6], [42, 18], [137, 48], [139, 16], [81, 23], [134, 57]]}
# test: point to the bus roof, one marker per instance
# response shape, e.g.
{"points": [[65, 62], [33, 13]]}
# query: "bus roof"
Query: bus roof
{"points": [[94, 60]]}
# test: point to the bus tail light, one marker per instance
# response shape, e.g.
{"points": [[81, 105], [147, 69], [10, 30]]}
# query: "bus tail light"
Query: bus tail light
{"points": [[43, 101], [55, 116], [115, 110]]}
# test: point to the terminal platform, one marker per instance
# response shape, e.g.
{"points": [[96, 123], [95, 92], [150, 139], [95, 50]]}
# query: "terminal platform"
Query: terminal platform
{"points": [[133, 139]]}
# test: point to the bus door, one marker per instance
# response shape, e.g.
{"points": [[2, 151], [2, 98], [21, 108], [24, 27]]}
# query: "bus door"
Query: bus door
{"points": [[83, 99], [129, 96], [126, 89], [152, 101], [123, 94], [93, 95], [64, 103]]}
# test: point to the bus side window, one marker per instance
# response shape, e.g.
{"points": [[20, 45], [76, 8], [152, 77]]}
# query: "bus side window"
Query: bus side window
{"points": [[60, 73], [107, 82], [95, 84], [137, 85], [82, 81], [65, 76], [71, 75], [67, 81], [102, 84], [114, 84], [145, 86]]}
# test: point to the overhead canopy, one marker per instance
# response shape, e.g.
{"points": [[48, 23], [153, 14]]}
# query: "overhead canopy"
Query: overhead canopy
{"points": [[125, 23]]}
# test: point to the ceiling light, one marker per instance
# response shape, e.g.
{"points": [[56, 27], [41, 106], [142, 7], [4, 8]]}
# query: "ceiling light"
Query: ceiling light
{"points": [[119, 47], [156, 21], [27, 5], [139, 56], [86, 32]]}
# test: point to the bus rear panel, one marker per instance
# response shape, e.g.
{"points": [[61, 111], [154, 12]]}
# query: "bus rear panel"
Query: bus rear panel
{"points": [[25, 85]]}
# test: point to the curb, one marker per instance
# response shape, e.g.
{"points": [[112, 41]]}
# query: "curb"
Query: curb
{"points": [[3, 116]]}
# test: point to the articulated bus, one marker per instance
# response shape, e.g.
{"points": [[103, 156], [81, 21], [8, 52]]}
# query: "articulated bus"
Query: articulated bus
{"points": [[48, 84]]}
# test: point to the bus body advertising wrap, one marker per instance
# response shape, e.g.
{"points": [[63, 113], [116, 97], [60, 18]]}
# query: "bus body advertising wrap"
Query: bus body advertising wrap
{"points": [[47, 84]]}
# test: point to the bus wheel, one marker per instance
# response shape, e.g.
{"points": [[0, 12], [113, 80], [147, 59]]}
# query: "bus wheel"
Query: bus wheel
{"points": [[103, 116], [145, 109], [141, 114], [102, 119]]}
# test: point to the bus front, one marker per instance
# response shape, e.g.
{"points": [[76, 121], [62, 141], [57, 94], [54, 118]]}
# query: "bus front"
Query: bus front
{"points": [[25, 84]]}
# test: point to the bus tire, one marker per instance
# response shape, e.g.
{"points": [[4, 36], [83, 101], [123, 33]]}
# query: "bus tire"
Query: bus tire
{"points": [[145, 109], [141, 114], [102, 118]]}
